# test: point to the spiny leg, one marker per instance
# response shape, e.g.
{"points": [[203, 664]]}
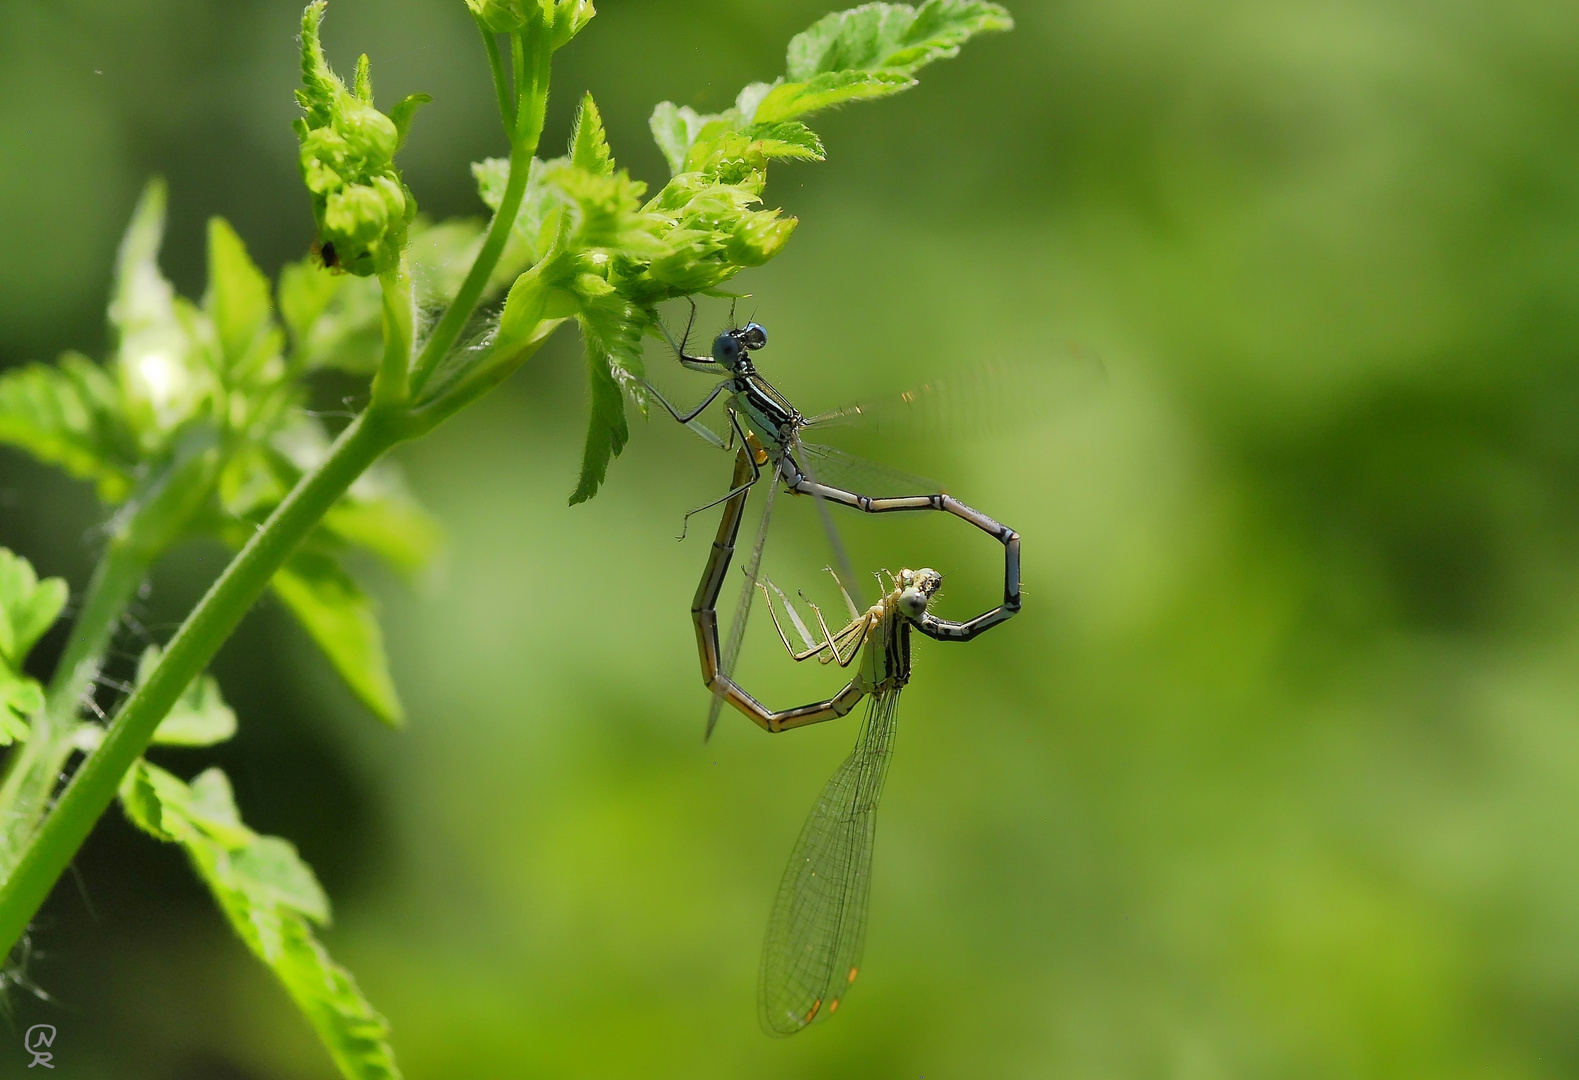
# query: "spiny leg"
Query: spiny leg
{"points": [[689, 420], [812, 648], [706, 363], [855, 612], [860, 626], [756, 474], [789, 609]]}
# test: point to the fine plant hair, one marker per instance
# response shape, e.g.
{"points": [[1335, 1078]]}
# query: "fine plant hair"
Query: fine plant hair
{"points": [[195, 425]]}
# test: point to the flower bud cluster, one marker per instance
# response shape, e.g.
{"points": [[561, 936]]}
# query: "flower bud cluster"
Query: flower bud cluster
{"points": [[361, 206]]}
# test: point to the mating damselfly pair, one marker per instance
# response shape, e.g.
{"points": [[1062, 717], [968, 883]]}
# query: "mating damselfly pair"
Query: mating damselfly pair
{"points": [[816, 933]]}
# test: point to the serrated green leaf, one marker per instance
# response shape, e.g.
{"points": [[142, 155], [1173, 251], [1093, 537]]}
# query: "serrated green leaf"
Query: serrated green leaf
{"points": [[607, 430], [790, 100], [789, 139], [890, 37], [211, 805], [674, 128], [69, 416], [356, 1036], [237, 303], [199, 717], [751, 96], [20, 698], [271, 898], [589, 144], [606, 212], [275, 874], [159, 802], [28, 607], [140, 802], [339, 616]]}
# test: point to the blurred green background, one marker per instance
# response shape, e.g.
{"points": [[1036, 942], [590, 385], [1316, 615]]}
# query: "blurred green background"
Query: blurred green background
{"points": [[1277, 775]]}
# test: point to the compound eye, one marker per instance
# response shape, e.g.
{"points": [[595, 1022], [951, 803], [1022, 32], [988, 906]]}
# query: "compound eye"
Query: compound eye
{"points": [[913, 603], [726, 349], [754, 336]]}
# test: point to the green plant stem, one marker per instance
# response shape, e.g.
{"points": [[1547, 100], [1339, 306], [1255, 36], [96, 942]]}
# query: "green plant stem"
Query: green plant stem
{"points": [[34, 769], [93, 787], [390, 388], [454, 319], [480, 380], [523, 145]]}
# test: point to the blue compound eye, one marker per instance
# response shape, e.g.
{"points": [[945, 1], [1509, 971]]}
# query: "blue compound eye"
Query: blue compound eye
{"points": [[726, 349], [754, 336]]}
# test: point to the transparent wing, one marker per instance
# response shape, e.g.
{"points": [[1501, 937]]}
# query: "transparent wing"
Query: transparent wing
{"points": [[1005, 394], [811, 460], [813, 948], [748, 592], [835, 468]]}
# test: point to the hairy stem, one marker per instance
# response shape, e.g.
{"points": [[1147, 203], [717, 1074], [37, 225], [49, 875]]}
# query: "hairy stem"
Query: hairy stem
{"points": [[454, 320], [400, 316], [211, 622], [524, 135], [35, 766]]}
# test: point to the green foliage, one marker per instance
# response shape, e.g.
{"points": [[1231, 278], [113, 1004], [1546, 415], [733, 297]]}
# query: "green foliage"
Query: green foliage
{"points": [[340, 617], [28, 607], [198, 426], [199, 718], [335, 320], [500, 16], [272, 901], [361, 205], [867, 52], [195, 424], [560, 19], [607, 430], [890, 37], [613, 258], [238, 306], [69, 415], [159, 357]]}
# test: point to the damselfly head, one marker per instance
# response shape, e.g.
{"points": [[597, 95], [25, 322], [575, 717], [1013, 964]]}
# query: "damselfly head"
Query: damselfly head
{"points": [[916, 589], [730, 347]]}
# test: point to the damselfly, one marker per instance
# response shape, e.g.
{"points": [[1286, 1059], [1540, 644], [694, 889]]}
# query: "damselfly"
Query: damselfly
{"points": [[815, 936], [769, 427]]}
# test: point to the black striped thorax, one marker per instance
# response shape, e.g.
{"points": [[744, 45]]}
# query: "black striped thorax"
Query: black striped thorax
{"points": [[765, 409], [887, 661]]}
